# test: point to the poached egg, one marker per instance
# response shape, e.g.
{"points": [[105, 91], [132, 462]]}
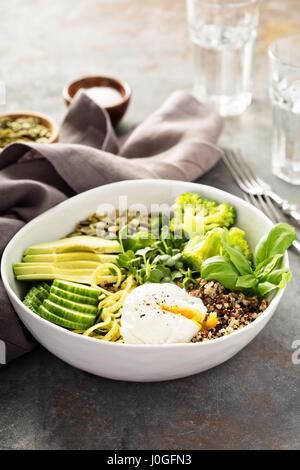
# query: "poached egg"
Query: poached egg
{"points": [[161, 313]]}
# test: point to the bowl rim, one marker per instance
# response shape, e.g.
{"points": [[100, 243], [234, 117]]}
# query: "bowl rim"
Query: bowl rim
{"points": [[4, 267], [122, 83], [52, 124]]}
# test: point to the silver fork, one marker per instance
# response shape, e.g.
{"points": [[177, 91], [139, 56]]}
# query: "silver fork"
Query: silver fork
{"points": [[245, 178], [257, 187]]}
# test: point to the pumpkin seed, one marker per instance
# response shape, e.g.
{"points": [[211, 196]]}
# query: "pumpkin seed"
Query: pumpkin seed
{"points": [[22, 129]]}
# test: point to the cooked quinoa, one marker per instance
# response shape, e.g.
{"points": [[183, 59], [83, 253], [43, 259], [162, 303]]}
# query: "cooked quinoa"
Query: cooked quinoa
{"points": [[234, 310]]}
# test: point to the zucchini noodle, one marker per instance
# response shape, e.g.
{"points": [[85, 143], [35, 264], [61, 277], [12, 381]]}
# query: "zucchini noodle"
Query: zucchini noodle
{"points": [[110, 311], [101, 272]]}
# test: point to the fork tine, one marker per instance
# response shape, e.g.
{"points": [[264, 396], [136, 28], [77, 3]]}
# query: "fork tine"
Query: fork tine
{"points": [[251, 185], [251, 199], [251, 175], [236, 165], [260, 204], [255, 178], [228, 158], [266, 202], [266, 208], [230, 167], [272, 209], [247, 198], [246, 173]]}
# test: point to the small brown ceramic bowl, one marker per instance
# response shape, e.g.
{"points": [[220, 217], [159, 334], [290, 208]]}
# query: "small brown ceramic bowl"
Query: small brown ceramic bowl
{"points": [[45, 120], [117, 111]]}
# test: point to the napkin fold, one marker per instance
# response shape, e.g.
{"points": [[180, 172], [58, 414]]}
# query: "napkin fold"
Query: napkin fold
{"points": [[177, 142]]}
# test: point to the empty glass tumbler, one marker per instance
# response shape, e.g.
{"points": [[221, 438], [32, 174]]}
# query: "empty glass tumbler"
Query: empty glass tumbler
{"points": [[223, 33], [284, 58]]}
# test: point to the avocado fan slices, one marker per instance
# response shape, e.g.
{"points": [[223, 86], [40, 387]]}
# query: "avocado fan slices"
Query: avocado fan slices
{"points": [[72, 259]]}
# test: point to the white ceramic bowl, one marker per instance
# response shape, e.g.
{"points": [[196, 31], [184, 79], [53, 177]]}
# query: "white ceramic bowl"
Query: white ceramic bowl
{"points": [[124, 361]]}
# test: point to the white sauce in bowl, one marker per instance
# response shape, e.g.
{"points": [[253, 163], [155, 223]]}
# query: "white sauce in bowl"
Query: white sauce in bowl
{"points": [[104, 96]]}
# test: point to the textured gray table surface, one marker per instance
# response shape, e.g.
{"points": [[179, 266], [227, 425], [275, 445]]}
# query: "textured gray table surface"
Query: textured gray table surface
{"points": [[251, 401]]}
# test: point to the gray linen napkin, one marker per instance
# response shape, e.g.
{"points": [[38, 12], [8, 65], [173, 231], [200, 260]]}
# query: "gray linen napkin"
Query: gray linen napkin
{"points": [[175, 142]]}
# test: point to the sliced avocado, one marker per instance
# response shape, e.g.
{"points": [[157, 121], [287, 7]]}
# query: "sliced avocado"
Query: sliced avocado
{"points": [[66, 265], [72, 256], [80, 276], [36, 277], [78, 271], [27, 268], [47, 271], [80, 243]]}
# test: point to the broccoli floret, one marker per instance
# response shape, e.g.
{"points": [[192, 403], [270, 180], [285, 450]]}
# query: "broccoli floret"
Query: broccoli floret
{"points": [[196, 216], [200, 248], [236, 237], [188, 199], [222, 215]]}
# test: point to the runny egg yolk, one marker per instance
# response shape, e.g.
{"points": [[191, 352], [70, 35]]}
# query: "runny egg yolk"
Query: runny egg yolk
{"points": [[211, 322], [193, 314]]}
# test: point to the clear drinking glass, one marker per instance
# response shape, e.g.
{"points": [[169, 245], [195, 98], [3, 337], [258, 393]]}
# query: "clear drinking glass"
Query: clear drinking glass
{"points": [[223, 33], [284, 58]]}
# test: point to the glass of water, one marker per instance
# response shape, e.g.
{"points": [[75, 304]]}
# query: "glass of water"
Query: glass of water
{"points": [[284, 58], [223, 33]]}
